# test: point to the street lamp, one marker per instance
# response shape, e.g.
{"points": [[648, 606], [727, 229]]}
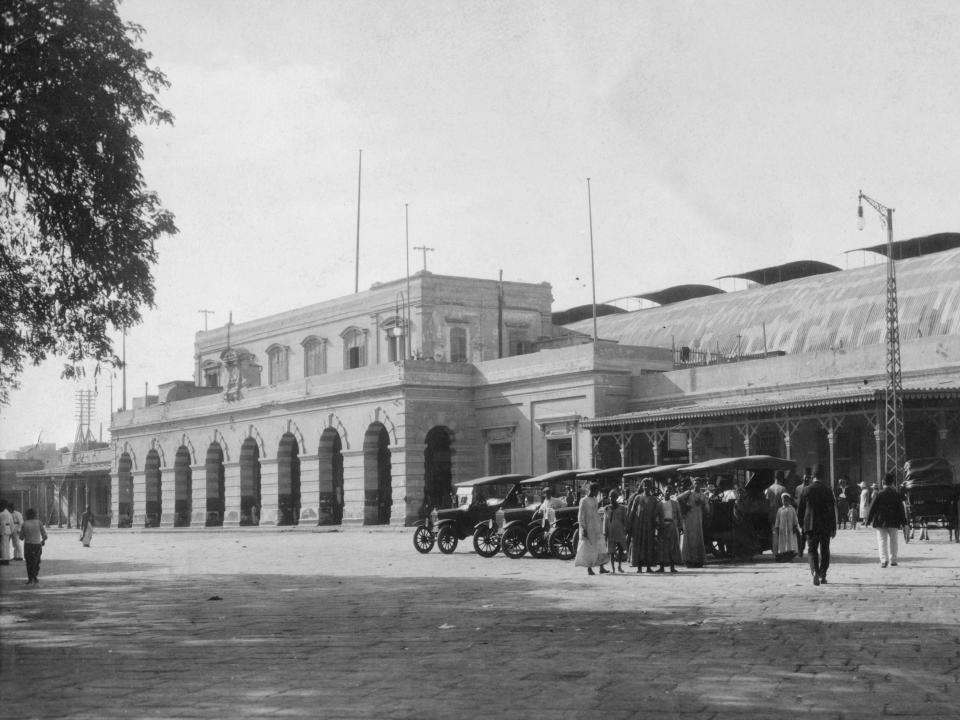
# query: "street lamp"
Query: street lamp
{"points": [[893, 393]]}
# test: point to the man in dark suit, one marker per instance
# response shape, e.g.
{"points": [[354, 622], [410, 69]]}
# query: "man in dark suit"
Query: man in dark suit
{"points": [[818, 518]]}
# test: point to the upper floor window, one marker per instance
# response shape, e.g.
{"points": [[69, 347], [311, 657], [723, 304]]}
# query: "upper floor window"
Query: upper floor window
{"points": [[354, 348], [519, 345], [277, 364], [211, 376], [458, 344], [314, 356]]}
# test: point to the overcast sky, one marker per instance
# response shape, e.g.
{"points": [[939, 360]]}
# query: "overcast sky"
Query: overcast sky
{"points": [[719, 137]]}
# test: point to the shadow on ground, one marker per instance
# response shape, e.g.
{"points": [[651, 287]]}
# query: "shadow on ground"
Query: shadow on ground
{"points": [[352, 647]]}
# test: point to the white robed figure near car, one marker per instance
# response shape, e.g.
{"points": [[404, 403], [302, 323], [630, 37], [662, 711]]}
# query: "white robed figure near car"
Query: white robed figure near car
{"points": [[591, 550]]}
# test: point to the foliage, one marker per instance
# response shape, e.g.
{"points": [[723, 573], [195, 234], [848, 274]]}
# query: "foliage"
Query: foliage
{"points": [[77, 223]]}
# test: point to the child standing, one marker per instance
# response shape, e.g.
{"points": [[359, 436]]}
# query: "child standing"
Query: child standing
{"points": [[34, 537]]}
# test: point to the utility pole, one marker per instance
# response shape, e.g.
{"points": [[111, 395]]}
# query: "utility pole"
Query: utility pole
{"points": [[206, 314], [895, 453], [425, 250]]}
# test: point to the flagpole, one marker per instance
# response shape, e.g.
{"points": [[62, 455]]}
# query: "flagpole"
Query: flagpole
{"points": [[593, 277], [356, 266]]}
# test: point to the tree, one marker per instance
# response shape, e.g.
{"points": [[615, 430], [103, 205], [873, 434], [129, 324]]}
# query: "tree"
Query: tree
{"points": [[77, 222]]}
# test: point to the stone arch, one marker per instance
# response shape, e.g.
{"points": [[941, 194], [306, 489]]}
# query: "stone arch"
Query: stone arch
{"points": [[125, 490], [330, 456], [288, 480], [250, 499], [131, 455], [255, 435], [220, 440], [437, 469], [294, 429], [156, 445], [182, 487], [377, 475], [335, 423], [381, 417], [185, 443], [153, 488], [215, 482]]}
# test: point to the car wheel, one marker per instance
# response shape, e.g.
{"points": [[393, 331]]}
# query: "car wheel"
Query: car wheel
{"points": [[562, 543], [423, 540], [446, 540], [486, 541], [537, 543], [514, 543]]}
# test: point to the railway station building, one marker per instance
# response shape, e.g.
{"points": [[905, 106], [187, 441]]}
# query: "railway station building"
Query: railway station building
{"points": [[366, 409]]}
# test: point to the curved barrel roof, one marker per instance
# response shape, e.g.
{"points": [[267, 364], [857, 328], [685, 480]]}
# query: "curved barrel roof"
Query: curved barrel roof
{"points": [[819, 312]]}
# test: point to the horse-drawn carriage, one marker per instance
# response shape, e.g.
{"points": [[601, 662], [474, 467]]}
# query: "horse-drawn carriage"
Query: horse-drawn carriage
{"points": [[738, 524], [931, 494]]}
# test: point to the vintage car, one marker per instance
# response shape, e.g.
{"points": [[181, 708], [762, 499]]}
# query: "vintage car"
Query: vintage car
{"points": [[512, 529], [563, 536], [931, 494], [477, 501], [739, 525]]}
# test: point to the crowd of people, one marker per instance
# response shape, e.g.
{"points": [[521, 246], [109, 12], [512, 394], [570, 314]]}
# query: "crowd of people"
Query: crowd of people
{"points": [[661, 527], [23, 536]]}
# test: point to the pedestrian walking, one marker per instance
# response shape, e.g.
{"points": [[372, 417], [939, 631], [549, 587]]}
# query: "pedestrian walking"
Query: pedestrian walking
{"points": [[642, 515], [842, 506], [615, 531], [774, 495], [590, 549], [786, 531], [864, 502], [800, 489], [817, 514], [6, 530], [15, 537], [888, 517], [34, 536], [86, 527], [694, 507], [668, 531]]}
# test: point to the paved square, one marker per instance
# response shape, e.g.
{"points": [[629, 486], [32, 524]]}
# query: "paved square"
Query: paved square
{"points": [[356, 624]]}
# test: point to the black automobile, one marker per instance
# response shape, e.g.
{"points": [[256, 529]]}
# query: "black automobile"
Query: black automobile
{"points": [[563, 536], [931, 495], [513, 530], [477, 502]]}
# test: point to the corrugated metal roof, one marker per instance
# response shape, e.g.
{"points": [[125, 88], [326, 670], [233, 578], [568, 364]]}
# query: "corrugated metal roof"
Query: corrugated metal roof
{"points": [[808, 314], [793, 398]]}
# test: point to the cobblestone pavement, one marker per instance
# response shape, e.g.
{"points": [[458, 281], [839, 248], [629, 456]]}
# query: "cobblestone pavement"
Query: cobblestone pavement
{"points": [[356, 624]]}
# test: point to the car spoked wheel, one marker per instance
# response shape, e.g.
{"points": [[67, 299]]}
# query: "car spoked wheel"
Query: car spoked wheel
{"points": [[561, 542], [446, 541], [537, 543], [486, 541], [423, 539], [514, 543]]}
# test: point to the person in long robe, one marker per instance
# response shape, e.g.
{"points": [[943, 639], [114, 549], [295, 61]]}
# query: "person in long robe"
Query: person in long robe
{"points": [[86, 527], [668, 531], [615, 530], [642, 515], [591, 549], [694, 505], [786, 530]]}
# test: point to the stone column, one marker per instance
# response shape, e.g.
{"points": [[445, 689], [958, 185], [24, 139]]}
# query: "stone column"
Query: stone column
{"points": [[139, 498], [198, 495], [269, 492], [309, 490], [231, 494], [354, 496], [168, 497], [405, 506], [114, 499]]}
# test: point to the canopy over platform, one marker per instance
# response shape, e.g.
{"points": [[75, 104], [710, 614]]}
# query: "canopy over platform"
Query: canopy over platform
{"points": [[914, 247], [787, 271]]}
